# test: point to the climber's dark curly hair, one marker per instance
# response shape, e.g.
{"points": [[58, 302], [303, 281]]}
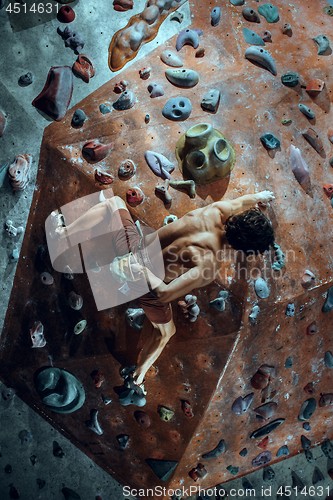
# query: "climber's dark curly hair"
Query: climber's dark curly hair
{"points": [[250, 231]]}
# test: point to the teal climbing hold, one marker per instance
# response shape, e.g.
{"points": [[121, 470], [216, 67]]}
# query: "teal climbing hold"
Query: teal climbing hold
{"points": [[269, 141], [162, 468], [269, 12], [252, 37]]}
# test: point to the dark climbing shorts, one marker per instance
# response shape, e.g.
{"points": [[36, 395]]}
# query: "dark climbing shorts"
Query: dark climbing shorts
{"points": [[125, 240]]}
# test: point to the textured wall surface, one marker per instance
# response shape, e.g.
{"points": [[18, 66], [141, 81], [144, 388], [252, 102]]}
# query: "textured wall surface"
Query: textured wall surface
{"points": [[211, 362]]}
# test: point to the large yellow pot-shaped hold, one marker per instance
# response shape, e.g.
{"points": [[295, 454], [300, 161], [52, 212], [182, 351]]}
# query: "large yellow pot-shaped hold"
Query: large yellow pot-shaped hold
{"points": [[204, 154]]}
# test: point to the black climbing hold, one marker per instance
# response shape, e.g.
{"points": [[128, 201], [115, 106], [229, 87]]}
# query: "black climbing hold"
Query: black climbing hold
{"points": [[57, 450], [317, 476], [296, 481], [307, 409], [70, 494], [266, 429], [327, 448], [26, 79], [162, 468], [232, 469], [104, 109], [290, 79], [307, 426], [289, 362], [220, 448], [268, 474], [243, 452], [123, 441], [305, 442], [79, 118]]}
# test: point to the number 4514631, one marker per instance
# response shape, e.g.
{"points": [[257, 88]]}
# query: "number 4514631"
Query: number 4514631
{"points": [[36, 8]]}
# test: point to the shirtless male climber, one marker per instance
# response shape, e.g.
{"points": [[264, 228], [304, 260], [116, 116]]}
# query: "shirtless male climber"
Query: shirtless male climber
{"points": [[191, 246]]}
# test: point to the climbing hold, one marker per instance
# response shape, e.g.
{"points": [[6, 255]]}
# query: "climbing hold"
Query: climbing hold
{"points": [[142, 419], [287, 29], [120, 87], [144, 73], [312, 328], [308, 279], [233, 470], [237, 2], [326, 400], [263, 443], [215, 16], [26, 79], [284, 450], [83, 68], [242, 404], [269, 12], [80, 326], [135, 317], [261, 288], [8, 394], [93, 423], [75, 301], [187, 186], [309, 388], [190, 307], [210, 101], [261, 57], [328, 359], [198, 472], [269, 141], [94, 151], [78, 119], [188, 37], [125, 101], [327, 448], [262, 459], [289, 362], [220, 302], [72, 39], [126, 169], [104, 108], [55, 98], [134, 196], [171, 58], [306, 111], [159, 164], [252, 37], [19, 171], [267, 410], [147, 117], [123, 440], [98, 378], [300, 169], [200, 52], [161, 191], [317, 476], [297, 482], [103, 177], [70, 494], [169, 219], [254, 314], [306, 426], [268, 474], [122, 5], [267, 36], [66, 14], [328, 305], [165, 413], [186, 78], [261, 378], [106, 400], [290, 79], [286, 121], [218, 450], [37, 335], [309, 456], [314, 140], [243, 452], [162, 468], [25, 436], [290, 310], [267, 429], [11, 230], [155, 90], [280, 257], [250, 15], [132, 396], [307, 409], [46, 278], [305, 442], [187, 408], [314, 86], [323, 44]]}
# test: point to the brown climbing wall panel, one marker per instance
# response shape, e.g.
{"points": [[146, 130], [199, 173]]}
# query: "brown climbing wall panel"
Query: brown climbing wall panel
{"points": [[211, 362]]}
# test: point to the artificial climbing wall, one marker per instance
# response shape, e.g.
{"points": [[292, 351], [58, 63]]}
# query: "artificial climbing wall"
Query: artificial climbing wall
{"points": [[213, 362]]}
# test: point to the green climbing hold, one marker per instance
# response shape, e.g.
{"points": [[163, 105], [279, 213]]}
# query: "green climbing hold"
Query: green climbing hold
{"points": [[165, 413], [269, 141], [290, 79], [233, 470], [269, 12], [286, 121]]}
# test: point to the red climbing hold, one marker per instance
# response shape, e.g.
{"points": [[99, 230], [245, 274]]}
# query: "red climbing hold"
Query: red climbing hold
{"points": [[187, 408]]}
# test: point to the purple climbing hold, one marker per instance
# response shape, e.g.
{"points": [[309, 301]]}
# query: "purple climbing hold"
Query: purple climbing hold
{"points": [[263, 458], [72, 39], [55, 98], [242, 404], [159, 164], [188, 37]]}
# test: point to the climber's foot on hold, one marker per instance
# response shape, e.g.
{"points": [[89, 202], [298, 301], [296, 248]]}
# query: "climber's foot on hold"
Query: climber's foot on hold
{"points": [[131, 397], [125, 371]]}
